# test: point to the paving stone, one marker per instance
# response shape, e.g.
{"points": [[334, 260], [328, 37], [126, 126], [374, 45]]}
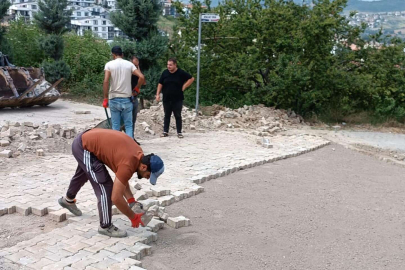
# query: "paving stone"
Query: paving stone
{"points": [[58, 216], [141, 250], [148, 203], [101, 255], [164, 217], [83, 263], [116, 248], [140, 195], [122, 255], [166, 200], [197, 189], [23, 210], [15, 257], [76, 247], [126, 264], [96, 247], [104, 264], [178, 222], [158, 192], [138, 186], [41, 264], [178, 195], [155, 225], [39, 211]]}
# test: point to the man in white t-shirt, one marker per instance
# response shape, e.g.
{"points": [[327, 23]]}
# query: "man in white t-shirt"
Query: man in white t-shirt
{"points": [[118, 91]]}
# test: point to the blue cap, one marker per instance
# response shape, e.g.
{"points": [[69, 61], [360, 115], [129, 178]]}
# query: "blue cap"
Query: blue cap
{"points": [[157, 168]]}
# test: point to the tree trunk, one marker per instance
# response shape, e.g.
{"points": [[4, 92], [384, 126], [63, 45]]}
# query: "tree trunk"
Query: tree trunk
{"points": [[142, 103]]}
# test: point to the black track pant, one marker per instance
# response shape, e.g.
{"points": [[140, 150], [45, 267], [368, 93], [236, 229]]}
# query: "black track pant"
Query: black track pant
{"points": [[174, 107], [89, 167]]}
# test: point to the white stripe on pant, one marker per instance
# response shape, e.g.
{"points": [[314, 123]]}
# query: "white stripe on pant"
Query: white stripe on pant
{"points": [[104, 203]]}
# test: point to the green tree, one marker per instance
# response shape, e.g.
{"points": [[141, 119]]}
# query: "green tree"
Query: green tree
{"points": [[138, 20], [53, 18], [4, 46], [24, 39]]}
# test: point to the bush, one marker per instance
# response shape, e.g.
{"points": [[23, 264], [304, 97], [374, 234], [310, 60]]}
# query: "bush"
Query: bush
{"points": [[86, 55], [23, 38], [52, 46], [54, 70]]}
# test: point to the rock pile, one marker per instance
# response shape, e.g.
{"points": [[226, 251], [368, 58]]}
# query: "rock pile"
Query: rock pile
{"points": [[258, 120], [16, 138]]}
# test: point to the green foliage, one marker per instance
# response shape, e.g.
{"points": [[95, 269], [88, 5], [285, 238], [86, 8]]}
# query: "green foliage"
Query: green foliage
{"points": [[4, 5], [137, 18], [52, 46], [54, 70], [23, 38], [293, 57], [86, 55], [53, 17]]}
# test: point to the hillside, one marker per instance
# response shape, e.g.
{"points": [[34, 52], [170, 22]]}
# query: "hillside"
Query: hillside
{"points": [[363, 5]]}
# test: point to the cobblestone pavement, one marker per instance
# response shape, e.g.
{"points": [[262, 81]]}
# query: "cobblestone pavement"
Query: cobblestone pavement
{"points": [[34, 184]]}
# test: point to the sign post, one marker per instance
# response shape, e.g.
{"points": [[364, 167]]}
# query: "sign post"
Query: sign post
{"points": [[204, 17]]}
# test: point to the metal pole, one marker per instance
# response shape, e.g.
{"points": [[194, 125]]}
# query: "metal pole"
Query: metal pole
{"points": [[198, 65]]}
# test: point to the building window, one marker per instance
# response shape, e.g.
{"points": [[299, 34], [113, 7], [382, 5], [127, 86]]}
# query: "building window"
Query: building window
{"points": [[33, 6], [95, 22], [104, 22], [95, 29], [104, 29], [79, 14], [86, 14], [104, 35], [86, 21]]}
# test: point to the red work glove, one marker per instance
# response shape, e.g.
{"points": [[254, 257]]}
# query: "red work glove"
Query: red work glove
{"points": [[136, 221], [136, 91], [105, 103]]}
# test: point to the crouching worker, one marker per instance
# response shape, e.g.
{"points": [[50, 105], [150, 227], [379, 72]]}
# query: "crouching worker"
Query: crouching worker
{"points": [[93, 150]]}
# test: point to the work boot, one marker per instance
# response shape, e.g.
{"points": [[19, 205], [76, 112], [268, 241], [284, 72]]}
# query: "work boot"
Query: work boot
{"points": [[72, 207], [112, 231]]}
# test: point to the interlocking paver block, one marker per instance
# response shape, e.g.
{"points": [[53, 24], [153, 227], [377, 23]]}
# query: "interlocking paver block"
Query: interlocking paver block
{"points": [[140, 250], [126, 264], [120, 256], [41, 264], [96, 247], [156, 224], [116, 248], [58, 216], [39, 211], [23, 210], [178, 222], [76, 247]]}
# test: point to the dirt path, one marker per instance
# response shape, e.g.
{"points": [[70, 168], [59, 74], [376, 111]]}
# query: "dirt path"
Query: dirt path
{"points": [[329, 209]]}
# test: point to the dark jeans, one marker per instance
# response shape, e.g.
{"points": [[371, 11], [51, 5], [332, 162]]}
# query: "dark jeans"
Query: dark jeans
{"points": [[89, 167], [174, 107]]}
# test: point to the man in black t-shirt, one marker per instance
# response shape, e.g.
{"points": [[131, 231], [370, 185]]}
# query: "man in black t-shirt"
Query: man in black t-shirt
{"points": [[172, 84]]}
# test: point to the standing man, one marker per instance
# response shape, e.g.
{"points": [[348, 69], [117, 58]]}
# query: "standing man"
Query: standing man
{"points": [[118, 91], [172, 84], [135, 91], [93, 150]]}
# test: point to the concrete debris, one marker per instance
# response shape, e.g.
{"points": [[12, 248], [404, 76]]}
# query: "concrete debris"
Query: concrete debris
{"points": [[6, 153], [82, 112], [264, 120], [40, 153], [4, 143]]}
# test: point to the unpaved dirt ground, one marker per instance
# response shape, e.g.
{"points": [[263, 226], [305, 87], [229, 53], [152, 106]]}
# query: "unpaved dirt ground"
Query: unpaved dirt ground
{"points": [[15, 228], [329, 209]]}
